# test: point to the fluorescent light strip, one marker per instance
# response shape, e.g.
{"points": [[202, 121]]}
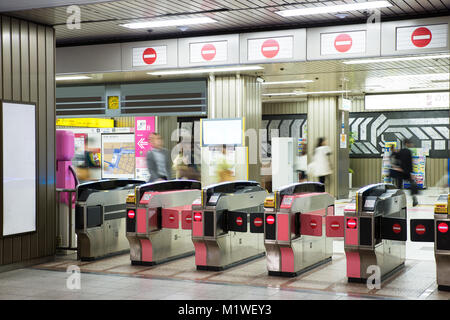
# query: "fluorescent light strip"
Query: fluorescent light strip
{"points": [[60, 78], [336, 8], [361, 61], [287, 82], [168, 23], [303, 93], [204, 70]]}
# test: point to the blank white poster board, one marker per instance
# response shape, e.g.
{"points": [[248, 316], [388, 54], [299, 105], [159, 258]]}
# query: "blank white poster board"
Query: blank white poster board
{"points": [[222, 131], [19, 168]]}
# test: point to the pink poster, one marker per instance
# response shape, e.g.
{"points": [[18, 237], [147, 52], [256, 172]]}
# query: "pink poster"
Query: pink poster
{"points": [[143, 126]]}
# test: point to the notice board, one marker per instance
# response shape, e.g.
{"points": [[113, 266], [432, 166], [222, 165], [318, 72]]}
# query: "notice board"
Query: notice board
{"points": [[19, 168]]}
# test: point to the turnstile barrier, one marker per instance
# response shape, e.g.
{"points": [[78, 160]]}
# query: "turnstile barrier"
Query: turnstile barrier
{"points": [[100, 217]]}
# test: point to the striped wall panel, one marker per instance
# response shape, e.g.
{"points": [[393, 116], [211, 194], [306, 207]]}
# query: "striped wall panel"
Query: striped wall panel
{"points": [[27, 68], [284, 108]]}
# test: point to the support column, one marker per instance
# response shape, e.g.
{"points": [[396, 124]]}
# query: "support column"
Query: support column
{"points": [[234, 97], [325, 120]]}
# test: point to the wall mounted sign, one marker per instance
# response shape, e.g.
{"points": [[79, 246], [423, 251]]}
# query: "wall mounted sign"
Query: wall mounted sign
{"points": [[420, 37], [208, 51], [271, 48], [143, 126], [343, 42], [156, 55]]}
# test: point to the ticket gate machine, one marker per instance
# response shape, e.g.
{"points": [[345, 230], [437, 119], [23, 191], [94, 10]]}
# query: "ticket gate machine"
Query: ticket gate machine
{"points": [[159, 221], [227, 225], [299, 218], [375, 232], [100, 213], [436, 230]]}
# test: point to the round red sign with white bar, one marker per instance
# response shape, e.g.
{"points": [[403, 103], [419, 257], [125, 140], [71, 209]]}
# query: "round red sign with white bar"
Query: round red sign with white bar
{"points": [[149, 56], [197, 216], [188, 219], [131, 214], [335, 225], [351, 223], [343, 42], [420, 229], [421, 37], [313, 224], [239, 221], [258, 222], [396, 228], [270, 219], [443, 227], [208, 52], [171, 217], [270, 48]]}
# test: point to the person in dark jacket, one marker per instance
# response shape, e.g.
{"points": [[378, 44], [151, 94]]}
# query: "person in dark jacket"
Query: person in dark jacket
{"points": [[158, 160], [402, 169]]}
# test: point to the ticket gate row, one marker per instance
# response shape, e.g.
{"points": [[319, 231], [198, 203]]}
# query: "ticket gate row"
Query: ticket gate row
{"points": [[227, 226], [159, 221], [436, 230], [100, 213]]}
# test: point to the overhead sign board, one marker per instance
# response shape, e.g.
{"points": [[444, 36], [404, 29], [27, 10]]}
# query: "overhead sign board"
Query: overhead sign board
{"points": [[419, 37], [427, 100], [144, 55], [337, 42], [273, 46], [428, 35], [343, 42], [213, 50]]}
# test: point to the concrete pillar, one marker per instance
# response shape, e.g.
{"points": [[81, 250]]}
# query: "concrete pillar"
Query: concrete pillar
{"points": [[325, 120], [234, 97]]}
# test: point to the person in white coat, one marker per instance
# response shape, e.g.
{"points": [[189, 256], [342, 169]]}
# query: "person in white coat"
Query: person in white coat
{"points": [[320, 166]]}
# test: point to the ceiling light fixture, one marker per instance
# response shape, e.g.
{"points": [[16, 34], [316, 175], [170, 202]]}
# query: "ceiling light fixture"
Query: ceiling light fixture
{"points": [[362, 61], [168, 23], [287, 82], [335, 8], [204, 70], [61, 78], [303, 93]]}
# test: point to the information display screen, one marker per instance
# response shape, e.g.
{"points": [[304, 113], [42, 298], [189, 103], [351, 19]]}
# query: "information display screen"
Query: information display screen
{"points": [[222, 132]]}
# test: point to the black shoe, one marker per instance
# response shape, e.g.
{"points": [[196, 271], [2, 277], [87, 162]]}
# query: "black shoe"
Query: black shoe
{"points": [[415, 202]]}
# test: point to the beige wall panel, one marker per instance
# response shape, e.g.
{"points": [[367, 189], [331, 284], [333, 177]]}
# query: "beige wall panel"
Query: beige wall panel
{"points": [[285, 108]]}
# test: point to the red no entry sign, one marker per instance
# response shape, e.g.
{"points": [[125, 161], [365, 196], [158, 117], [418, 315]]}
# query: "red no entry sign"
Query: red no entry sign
{"points": [[396, 228], [270, 219], [171, 217], [197, 216], [421, 37], [188, 219], [149, 56], [270, 48], [343, 42], [131, 214], [257, 222], [420, 229], [335, 225], [351, 223], [313, 224], [239, 221], [443, 227], [208, 51]]}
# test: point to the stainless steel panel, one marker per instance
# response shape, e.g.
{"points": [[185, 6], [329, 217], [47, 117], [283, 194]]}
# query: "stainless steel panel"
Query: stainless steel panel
{"points": [[372, 45], [185, 46]]}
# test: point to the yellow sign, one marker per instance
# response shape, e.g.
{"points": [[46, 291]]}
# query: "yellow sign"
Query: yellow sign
{"points": [[113, 102], [85, 122]]}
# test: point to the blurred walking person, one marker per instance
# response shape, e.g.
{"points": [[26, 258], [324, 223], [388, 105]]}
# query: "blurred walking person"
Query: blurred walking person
{"points": [[158, 160], [401, 169], [320, 166]]}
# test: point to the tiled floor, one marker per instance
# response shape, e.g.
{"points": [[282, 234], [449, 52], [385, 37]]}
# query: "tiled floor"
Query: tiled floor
{"points": [[116, 278]]}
